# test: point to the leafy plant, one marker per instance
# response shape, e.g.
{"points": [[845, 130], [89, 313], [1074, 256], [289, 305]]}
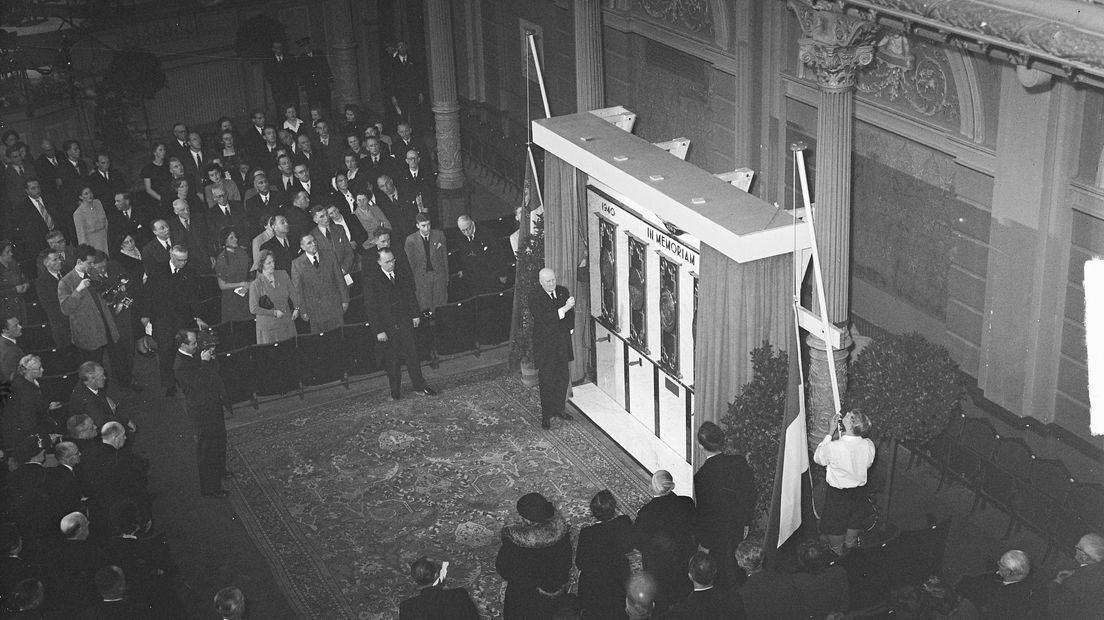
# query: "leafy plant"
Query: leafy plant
{"points": [[753, 425], [907, 386], [529, 263], [135, 73]]}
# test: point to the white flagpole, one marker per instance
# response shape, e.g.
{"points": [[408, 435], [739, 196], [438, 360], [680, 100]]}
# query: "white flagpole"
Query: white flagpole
{"points": [[540, 73]]}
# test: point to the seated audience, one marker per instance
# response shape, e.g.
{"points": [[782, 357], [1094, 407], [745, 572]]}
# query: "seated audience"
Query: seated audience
{"points": [[434, 600]]}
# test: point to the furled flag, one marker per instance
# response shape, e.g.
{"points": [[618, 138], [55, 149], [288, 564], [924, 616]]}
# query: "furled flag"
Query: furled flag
{"points": [[793, 457]]}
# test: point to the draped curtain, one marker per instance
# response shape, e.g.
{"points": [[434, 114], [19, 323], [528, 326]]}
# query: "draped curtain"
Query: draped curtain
{"points": [[565, 239], [739, 307]]}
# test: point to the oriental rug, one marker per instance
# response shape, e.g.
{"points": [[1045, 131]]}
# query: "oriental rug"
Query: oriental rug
{"points": [[342, 497]]}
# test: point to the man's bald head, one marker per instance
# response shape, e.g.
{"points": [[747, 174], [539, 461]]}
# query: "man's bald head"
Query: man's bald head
{"points": [[1014, 566], [1090, 549]]}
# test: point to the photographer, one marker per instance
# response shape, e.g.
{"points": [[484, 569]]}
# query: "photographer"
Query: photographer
{"points": [[92, 318], [847, 457], [204, 400]]}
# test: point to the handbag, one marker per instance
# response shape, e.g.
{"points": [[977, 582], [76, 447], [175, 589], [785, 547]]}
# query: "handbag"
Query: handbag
{"points": [[265, 303]]}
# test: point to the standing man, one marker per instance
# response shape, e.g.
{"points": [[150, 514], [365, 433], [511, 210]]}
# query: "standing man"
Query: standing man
{"points": [[847, 458], [32, 219], [392, 312], [332, 240], [428, 256], [174, 303], [553, 310], [46, 287], [320, 286], [280, 73], [10, 351], [91, 320], [724, 489], [481, 262], [204, 400]]}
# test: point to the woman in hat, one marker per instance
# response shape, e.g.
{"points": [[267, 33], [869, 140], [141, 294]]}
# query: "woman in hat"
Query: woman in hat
{"points": [[535, 560]]}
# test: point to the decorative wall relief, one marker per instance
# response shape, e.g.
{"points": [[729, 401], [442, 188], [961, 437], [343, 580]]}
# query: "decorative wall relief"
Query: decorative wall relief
{"points": [[912, 76], [638, 294], [695, 16], [607, 268], [669, 315]]}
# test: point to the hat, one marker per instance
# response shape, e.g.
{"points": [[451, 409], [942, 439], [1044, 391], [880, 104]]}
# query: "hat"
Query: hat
{"points": [[28, 448], [662, 482], [534, 507]]}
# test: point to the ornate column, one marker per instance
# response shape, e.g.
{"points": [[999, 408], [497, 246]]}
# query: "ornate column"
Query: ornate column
{"points": [[835, 46], [446, 106], [343, 54], [590, 92]]}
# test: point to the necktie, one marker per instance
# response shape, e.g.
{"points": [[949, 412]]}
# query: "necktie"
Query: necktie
{"points": [[552, 295], [166, 245], [391, 276], [283, 242], [45, 214], [19, 170], [106, 177], [264, 199], [471, 238], [198, 159], [325, 233], [315, 261], [185, 223], [226, 211]]}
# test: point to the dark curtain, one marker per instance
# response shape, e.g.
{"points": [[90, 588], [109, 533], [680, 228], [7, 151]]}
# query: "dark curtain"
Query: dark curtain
{"points": [[739, 307]]}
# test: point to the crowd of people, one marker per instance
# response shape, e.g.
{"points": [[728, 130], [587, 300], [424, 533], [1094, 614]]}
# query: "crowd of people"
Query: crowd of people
{"points": [[698, 562], [293, 217]]}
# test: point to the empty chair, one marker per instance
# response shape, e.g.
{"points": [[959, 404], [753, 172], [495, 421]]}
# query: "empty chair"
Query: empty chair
{"points": [[276, 365], [238, 374], [976, 443], [494, 312], [1048, 488], [359, 352], [1004, 476], [320, 360], [455, 328]]}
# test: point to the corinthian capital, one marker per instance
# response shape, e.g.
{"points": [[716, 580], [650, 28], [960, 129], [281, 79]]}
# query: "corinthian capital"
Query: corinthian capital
{"points": [[836, 45]]}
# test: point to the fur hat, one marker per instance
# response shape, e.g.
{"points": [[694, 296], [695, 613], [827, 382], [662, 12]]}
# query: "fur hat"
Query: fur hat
{"points": [[534, 507]]}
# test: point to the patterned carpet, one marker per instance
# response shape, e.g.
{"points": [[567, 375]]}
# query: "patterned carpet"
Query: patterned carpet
{"points": [[341, 497]]}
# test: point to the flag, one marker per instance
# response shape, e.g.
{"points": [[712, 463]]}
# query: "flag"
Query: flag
{"points": [[793, 457]]}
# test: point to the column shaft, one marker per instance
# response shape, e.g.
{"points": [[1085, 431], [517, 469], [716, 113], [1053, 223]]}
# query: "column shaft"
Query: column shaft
{"points": [[589, 88], [343, 54], [442, 86], [832, 221]]}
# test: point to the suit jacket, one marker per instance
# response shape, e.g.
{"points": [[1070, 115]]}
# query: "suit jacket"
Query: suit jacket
{"points": [[29, 228], [204, 392], [1078, 597], [664, 536], [386, 165], [551, 334], [10, 354], [317, 164], [321, 290], [105, 189], [283, 255], [281, 77], [390, 306], [14, 181], [431, 286], [48, 172], [1014, 601], [481, 260], [64, 490], [25, 413], [334, 150], [724, 490], [91, 320], [46, 288], [252, 139], [400, 213], [711, 604], [438, 603], [139, 224], [154, 254], [72, 176], [347, 204], [194, 237], [423, 183], [217, 220], [96, 406], [173, 299], [338, 245]]}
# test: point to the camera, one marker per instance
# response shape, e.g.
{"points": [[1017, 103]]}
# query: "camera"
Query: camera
{"points": [[113, 292], [207, 339]]}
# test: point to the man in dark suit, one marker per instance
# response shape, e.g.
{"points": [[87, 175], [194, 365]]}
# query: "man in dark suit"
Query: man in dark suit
{"points": [[392, 312], [304, 181], [174, 295], [10, 351], [377, 162], [1075, 594], [553, 310], [128, 219], [434, 600], [204, 400], [17, 173], [298, 215], [195, 160], [221, 215], [27, 488], [481, 264], [283, 177], [332, 240], [319, 286], [46, 288], [1010, 595], [279, 72], [110, 474], [265, 203], [405, 139], [315, 161], [64, 487], [32, 219], [156, 250], [253, 137], [189, 229], [706, 601], [89, 398], [399, 208], [178, 146], [280, 245], [329, 144], [418, 181], [724, 490], [104, 181], [47, 166], [73, 172]]}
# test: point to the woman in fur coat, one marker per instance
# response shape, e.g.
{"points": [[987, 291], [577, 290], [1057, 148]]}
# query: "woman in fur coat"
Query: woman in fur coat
{"points": [[535, 560]]}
